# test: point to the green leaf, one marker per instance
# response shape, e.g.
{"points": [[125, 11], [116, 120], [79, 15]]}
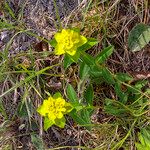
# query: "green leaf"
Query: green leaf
{"points": [[139, 37], [95, 71], [67, 61], [68, 108], [72, 95], [102, 56], [47, 123], [37, 142], [53, 42], [123, 77], [76, 30], [141, 138], [141, 147], [75, 116], [79, 107], [88, 59], [89, 95], [82, 118], [57, 95], [75, 57], [107, 75], [90, 43], [113, 108], [86, 115], [84, 71], [144, 137], [60, 122]]}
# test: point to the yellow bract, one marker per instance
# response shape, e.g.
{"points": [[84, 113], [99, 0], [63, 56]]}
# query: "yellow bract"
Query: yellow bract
{"points": [[68, 41], [54, 108]]}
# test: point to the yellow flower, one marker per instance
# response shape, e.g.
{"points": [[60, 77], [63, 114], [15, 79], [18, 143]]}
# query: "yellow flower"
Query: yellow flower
{"points": [[68, 41], [54, 109]]}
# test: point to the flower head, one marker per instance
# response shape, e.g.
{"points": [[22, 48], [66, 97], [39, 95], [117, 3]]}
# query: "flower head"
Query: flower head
{"points": [[53, 109], [68, 41]]}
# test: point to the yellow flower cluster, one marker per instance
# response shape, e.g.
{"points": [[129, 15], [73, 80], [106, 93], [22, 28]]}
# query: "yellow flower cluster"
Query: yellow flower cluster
{"points": [[54, 109], [68, 41]]}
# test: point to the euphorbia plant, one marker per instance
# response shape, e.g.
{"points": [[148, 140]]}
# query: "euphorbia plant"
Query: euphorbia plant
{"points": [[72, 44], [53, 110]]}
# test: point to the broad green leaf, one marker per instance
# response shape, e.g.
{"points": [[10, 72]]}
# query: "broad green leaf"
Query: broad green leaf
{"points": [[53, 42], [90, 43], [139, 37], [37, 142], [114, 111], [95, 71], [102, 56], [86, 58], [86, 115], [113, 108], [47, 123], [79, 118], [57, 95], [75, 57], [72, 95], [76, 30], [84, 70], [67, 61], [123, 77], [60, 122], [144, 137], [141, 138], [141, 147], [78, 107], [107, 75], [89, 95]]}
